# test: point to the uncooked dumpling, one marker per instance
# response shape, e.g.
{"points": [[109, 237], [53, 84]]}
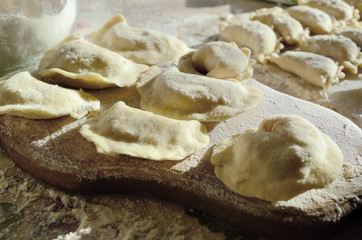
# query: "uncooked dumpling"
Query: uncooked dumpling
{"points": [[23, 95], [140, 45], [219, 60], [78, 63], [130, 131], [286, 156], [290, 29], [317, 69], [355, 34], [187, 96], [339, 48], [255, 35], [336, 8], [316, 20]]}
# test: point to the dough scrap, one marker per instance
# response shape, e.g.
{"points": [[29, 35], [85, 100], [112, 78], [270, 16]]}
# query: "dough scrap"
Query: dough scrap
{"points": [[125, 130], [337, 47], [336, 8], [290, 29], [286, 156], [25, 96], [140, 45], [218, 60], [314, 68], [316, 20], [187, 96], [255, 35], [75, 62]]}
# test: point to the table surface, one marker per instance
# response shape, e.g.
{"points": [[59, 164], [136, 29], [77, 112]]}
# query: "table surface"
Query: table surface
{"points": [[30, 209]]}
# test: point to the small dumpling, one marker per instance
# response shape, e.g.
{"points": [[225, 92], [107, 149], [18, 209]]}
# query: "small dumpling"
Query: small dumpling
{"points": [[336, 8], [339, 48], [290, 29], [355, 34], [255, 35], [25, 96], [314, 68], [219, 60], [78, 63], [140, 45], [316, 20], [285, 157], [134, 132], [187, 96]]}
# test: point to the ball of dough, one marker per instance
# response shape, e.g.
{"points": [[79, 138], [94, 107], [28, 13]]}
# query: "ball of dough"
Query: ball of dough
{"points": [[286, 156], [219, 60]]}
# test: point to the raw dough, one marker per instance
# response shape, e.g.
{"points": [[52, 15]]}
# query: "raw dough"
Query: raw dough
{"points": [[290, 29], [255, 35], [23, 95], [316, 20], [125, 130], [187, 96], [219, 60], [78, 63], [336, 8], [317, 69], [286, 156], [340, 48], [140, 45]]}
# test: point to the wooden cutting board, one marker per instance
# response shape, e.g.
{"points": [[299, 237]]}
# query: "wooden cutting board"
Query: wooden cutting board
{"points": [[55, 152]]}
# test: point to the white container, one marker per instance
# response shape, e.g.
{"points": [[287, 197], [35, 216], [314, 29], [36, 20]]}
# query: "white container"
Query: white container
{"points": [[29, 27]]}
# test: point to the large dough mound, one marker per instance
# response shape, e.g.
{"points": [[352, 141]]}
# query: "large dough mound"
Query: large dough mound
{"points": [[286, 156]]}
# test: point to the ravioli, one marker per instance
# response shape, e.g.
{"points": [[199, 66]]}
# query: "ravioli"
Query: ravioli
{"points": [[140, 45], [290, 29], [314, 68], [316, 20], [25, 96], [336, 8], [339, 48], [78, 63], [255, 35], [285, 157], [130, 131], [187, 96], [218, 60]]}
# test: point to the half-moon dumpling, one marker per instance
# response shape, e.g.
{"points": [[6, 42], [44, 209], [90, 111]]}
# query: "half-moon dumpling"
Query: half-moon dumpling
{"points": [[140, 45], [339, 48], [255, 35], [355, 34], [25, 96], [78, 63], [131, 131], [188, 96], [336, 8], [218, 60], [285, 157], [290, 29], [316, 20], [317, 69]]}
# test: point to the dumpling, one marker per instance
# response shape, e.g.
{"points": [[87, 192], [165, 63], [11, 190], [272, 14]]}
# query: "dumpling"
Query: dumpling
{"points": [[355, 34], [218, 60], [286, 156], [255, 35], [316, 20], [339, 48], [25, 96], [290, 29], [336, 8], [356, 3], [187, 96], [131, 131], [78, 63], [140, 45], [314, 68]]}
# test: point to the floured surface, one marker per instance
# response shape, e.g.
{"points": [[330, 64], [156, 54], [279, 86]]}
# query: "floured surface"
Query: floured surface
{"points": [[24, 194]]}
